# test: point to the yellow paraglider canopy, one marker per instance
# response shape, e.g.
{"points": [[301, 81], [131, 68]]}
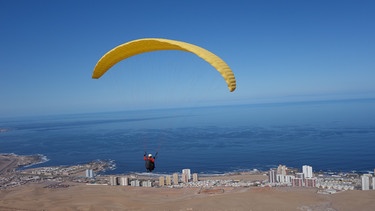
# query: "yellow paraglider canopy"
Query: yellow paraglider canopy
{"points": [[139, 46]]}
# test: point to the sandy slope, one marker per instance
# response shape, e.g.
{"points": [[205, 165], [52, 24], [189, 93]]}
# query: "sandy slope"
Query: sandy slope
{"points": [[86, 197]]}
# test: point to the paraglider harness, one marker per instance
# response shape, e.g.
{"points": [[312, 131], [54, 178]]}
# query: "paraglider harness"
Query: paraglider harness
{"points": [[150, 162]]}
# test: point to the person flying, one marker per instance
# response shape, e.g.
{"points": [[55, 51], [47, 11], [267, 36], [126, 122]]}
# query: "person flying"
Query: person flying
{"points": [[149, 162]]}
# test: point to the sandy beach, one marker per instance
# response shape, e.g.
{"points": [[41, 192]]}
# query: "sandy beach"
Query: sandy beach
{"points": [[77, 196]]}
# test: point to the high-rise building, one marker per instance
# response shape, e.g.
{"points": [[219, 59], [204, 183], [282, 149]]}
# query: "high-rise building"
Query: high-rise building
{"points": [[272, 176], [185, 177], [113, 180], [281, 169], [195, 177], [124, 181], [366, 181], [175, 179], [280, 178], [161, 181], [168, 180], [187, 172], [307, 171], [146, 183], [89, 173]]}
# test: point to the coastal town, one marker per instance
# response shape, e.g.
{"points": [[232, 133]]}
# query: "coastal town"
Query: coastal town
{"points": [[13, 173]]}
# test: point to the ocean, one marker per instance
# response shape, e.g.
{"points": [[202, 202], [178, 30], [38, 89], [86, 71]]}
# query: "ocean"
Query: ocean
{"points": [[336, 136]]}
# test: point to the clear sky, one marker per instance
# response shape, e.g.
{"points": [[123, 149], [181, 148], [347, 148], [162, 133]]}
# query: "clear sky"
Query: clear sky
{"points": [[278, 50]]}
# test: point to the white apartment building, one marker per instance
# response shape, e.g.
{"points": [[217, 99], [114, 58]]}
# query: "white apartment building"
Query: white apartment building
{"points": [[187, 173], [272, 176], [366, 181], [307, 171]]}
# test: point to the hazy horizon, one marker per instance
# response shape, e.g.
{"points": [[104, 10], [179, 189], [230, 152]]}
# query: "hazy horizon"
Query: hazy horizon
{"points": [[327, 135]]}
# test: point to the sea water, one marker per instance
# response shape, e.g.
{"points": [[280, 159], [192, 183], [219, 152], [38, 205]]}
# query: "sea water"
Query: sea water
{"points": [[327, 135]]}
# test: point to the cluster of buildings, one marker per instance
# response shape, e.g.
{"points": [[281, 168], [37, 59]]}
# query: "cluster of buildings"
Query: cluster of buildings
{"points": [[77, 173], [185, 177], [126, 181], [167, 180], [290, 177], [69, 170], [280, 176], [283, 176]]}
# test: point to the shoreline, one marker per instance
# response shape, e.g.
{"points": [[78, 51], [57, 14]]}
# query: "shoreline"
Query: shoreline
{"points": [[55, 191], [30, 161], [12, 160], [14, 168], [41, 159]]}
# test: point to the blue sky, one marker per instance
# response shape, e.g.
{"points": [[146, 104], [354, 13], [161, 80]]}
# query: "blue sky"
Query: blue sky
{"points": [[279, 51]]}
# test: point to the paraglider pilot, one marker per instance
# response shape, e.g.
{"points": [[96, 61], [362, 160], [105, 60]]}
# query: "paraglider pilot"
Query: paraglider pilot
{"points": [[149, 162]]}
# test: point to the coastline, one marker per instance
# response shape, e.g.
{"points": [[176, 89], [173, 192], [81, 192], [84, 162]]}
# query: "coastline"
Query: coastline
{"points": [[12, 161], [55, 191]]}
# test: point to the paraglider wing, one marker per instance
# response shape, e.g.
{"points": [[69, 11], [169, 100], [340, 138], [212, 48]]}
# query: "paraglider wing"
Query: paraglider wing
{"points": [[139, 46]]}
